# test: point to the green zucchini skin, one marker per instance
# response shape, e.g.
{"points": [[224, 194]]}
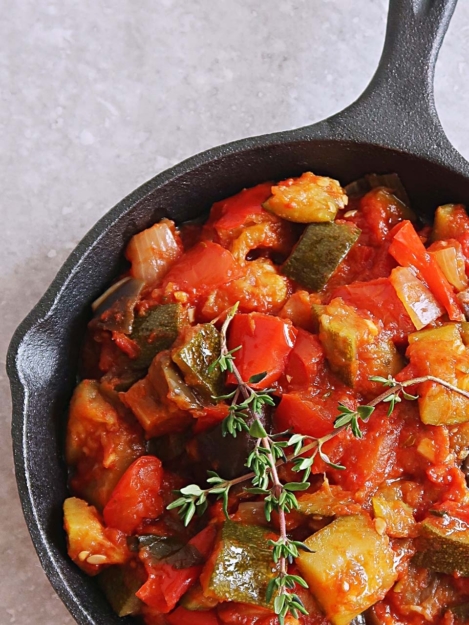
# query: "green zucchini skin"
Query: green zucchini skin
{"points": [[196, 357], [156, 331], [243, 566], [444, 545], [318, 253]]}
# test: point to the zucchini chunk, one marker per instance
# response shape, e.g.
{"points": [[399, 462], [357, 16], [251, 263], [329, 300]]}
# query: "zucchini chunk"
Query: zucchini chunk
{"points": [[441, 352], [307, 199], [199, 350], [318, 253], [120, 583], [354, 346], [156, 331], [241, 566], [352, 567], [444, 544], [91, 545], [451, 220]]}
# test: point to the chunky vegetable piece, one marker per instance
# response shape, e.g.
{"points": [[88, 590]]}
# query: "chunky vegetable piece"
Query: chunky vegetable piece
{"points": [[319, 252], [351, 569], [102, 441], [296, 367], [307, 199], [240, 567]]}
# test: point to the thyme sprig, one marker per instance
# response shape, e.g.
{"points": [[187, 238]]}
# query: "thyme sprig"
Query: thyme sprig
{"points": [[270, 452]]}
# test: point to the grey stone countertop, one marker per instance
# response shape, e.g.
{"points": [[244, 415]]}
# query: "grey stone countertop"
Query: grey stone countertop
{"points": [[99, 95]]}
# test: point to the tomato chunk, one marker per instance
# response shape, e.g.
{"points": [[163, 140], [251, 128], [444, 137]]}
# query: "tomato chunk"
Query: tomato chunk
{"points": [[165, 584], [137, 496], [409, 251], [241, 209], [203, 268], [265, 344], [305, 361]]}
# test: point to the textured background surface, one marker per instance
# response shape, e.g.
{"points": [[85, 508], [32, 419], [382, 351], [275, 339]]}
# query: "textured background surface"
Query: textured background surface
{"points": [[97, 96]]}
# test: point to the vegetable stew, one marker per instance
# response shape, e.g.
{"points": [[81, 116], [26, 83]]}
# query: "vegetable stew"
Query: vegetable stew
{"points": [[272, 422]]}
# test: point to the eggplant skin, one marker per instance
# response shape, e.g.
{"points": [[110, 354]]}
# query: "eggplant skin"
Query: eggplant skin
{"points": [[225, 454]]}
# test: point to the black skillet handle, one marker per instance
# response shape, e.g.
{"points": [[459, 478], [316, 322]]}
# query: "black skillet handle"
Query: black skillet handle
{"points": [[397, 108]]}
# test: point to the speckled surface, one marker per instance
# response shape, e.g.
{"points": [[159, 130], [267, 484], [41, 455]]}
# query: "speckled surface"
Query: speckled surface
{"points": [[97, 97]]}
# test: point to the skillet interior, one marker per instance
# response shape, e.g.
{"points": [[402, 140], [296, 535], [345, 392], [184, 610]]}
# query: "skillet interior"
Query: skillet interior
{"points": [[43, 355]]}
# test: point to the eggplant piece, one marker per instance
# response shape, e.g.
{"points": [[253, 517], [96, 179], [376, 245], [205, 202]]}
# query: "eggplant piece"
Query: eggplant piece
{"points": [[319, 252], [120, 584], [114, 309], [156, 331], [242, 567], [224, 454], [195, 357], [461, 613]]}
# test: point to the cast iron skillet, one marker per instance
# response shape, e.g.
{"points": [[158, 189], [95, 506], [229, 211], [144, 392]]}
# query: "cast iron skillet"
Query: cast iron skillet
{"points": [[392, 127]]}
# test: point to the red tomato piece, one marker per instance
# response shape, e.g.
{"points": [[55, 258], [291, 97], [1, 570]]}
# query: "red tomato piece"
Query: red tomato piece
{"points": [[380, 299], [165, 584], [265, 344], [202, 269], [181, 616], [137, 496], [409, 251], [305, 360]]}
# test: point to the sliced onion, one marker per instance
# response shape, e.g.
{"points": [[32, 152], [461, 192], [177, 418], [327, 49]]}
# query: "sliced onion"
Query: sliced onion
{"points": [[451, 262], [153, 251], [419, 302]]}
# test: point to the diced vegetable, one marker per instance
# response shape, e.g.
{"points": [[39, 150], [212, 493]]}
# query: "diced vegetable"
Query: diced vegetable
{"points": [[240, 567], [269, 237], [450, 259], [379, 298], [382, 211], [451, 220], [319, 252], [156, 331], [167, 383], [352, 567], [114, 310], [398, 516], [444, 543], [419, 302], [441, 353], [265, 343], [298, 310], [230, 216], [354, 346], [137, 496], [202, 269], [196, 355], [154, 415], [102, 441], [166, 583], [328, 501], [120, 585], [153, 251], [91, 545], [305, 361], [307, 199], [409, 251]]}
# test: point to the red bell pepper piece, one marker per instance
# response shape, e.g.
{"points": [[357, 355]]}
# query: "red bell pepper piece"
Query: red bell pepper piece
{"points": [[181, 616], [265, 344], [202, 269], [305, 360], [237, 210], [409, 251], [165, 584], [137, 496]]}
